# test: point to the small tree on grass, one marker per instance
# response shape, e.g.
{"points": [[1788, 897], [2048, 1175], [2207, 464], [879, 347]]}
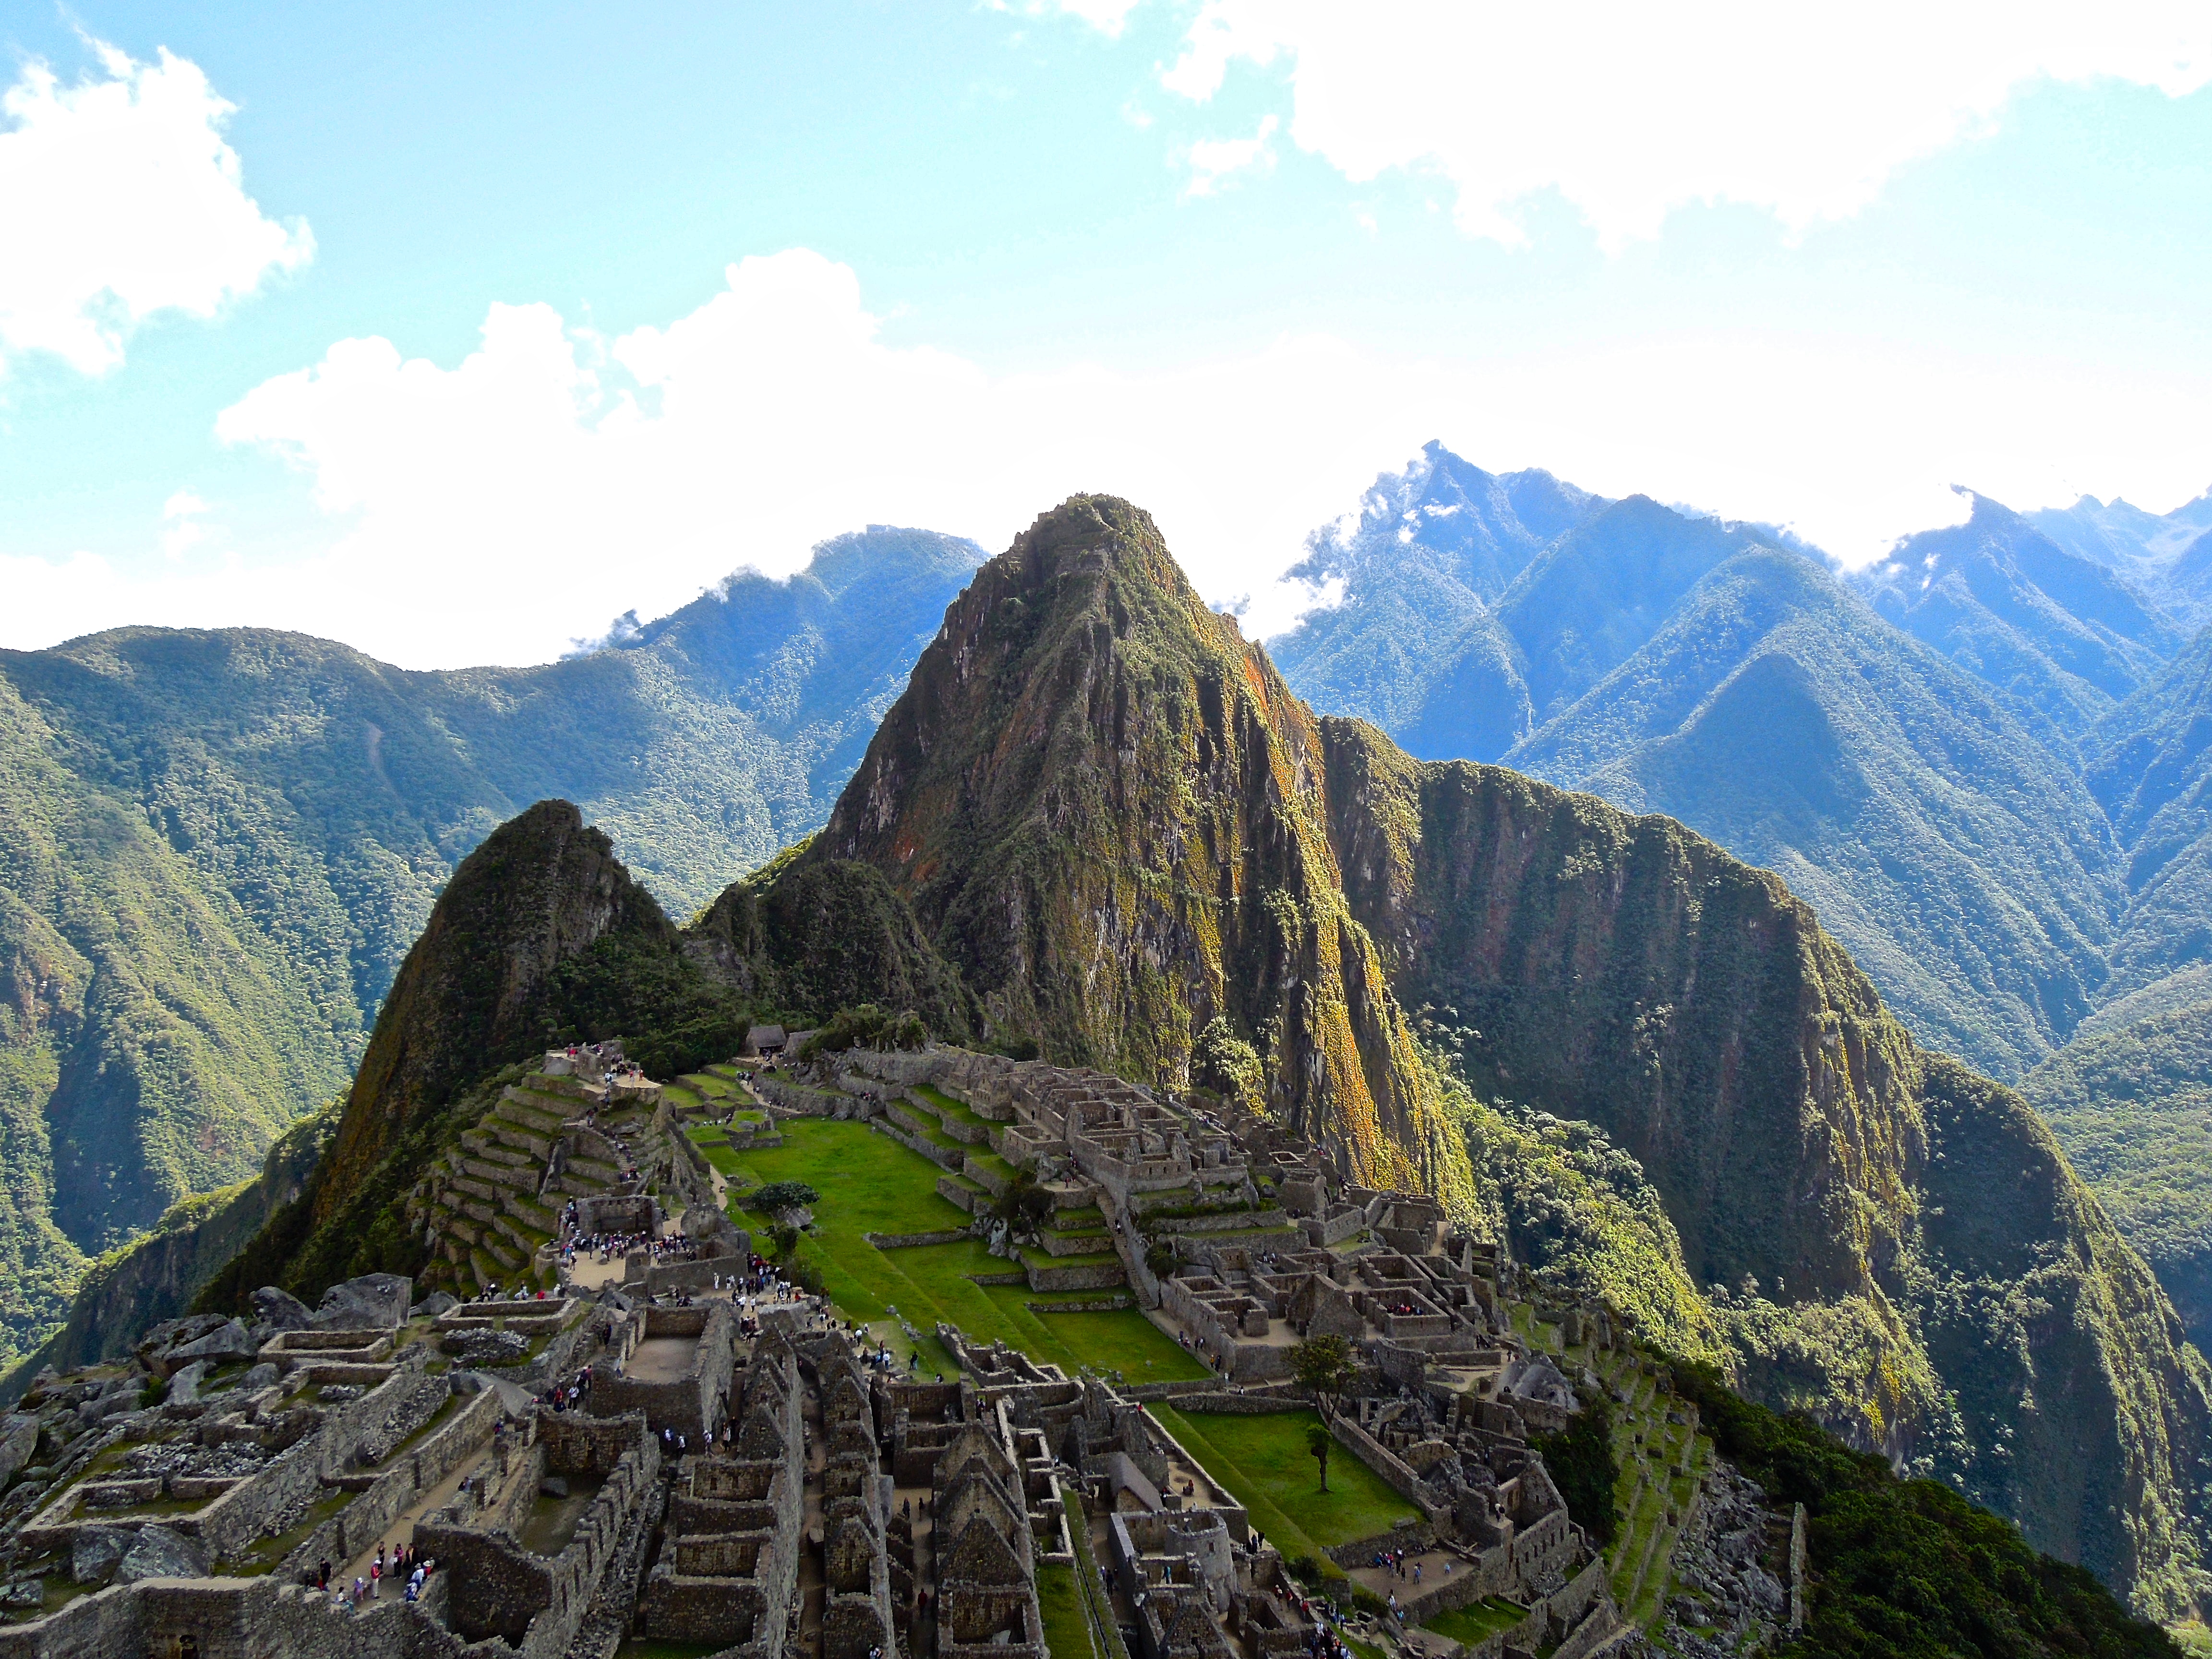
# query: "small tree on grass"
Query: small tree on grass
{"points": [[1317, 1443], [781, 1198], [1325, 1367]]}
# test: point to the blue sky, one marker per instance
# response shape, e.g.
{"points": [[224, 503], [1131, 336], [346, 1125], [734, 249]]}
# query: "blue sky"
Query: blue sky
{"points": [[454, 350]]}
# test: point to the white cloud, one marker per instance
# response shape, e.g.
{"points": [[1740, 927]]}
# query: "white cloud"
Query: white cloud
{"points": [[182, 513], [498, 509], [1107, 16], [119, 198], [1631, 110], [1211, 161]]}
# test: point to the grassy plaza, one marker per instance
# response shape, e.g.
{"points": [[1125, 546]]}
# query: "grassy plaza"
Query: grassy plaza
{"points": [[870, 1183], [1264, 1462]]}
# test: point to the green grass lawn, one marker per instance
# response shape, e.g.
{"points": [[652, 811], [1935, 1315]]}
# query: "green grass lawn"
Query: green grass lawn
{"points": [[1477, 1622], [869, 1183], [1066, 1631], [1264, 1463], [953, 1110]]}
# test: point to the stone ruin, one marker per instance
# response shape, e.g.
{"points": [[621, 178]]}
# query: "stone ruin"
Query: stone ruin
{"points": [[773, 1494]]}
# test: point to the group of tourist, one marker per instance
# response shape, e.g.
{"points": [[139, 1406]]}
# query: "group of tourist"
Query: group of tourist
{"points": [[370, 1587], [568, 1396]]}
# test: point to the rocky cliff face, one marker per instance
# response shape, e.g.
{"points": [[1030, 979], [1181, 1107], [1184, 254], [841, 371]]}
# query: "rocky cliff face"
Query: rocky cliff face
{"points": [[1103, 806], [1890, 1240]]}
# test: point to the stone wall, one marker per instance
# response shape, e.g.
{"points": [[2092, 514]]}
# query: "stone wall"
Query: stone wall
{"points": [[536, 1602], [358, 1525]]}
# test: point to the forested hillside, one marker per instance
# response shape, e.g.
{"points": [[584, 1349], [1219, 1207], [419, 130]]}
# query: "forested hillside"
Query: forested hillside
{"points": [[216, 847], [1984, 761]]}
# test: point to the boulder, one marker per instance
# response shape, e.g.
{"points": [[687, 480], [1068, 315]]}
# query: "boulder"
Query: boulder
{"points": [[376, 1302], [160, 1552], [433, 1305], [19, 1438], [185, 1386], [95, 1552], [280, 1309], [553, 1486], [262, 1375], [157, 1350], [228, 1340]]}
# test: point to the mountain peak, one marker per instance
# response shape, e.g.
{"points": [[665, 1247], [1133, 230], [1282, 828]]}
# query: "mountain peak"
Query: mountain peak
{"points": [[1103, 804]]}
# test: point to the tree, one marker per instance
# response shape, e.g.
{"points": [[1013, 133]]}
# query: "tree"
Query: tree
{"points": [[780, 1197], [783, 1237], [1582, 1466], [1324, 1366], [1223, 1063], [1317, 1443], [1025, 1206]]}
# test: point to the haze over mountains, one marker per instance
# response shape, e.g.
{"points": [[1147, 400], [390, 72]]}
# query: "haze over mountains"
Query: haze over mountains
{"points": [[1984, 762], [215, 848]]}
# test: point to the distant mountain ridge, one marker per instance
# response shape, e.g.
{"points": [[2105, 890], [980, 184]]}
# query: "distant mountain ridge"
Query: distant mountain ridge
{"points": [[1982, 759], [215, 848]]}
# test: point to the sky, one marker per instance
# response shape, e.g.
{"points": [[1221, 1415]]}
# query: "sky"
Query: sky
{"points": [[456, 333]]}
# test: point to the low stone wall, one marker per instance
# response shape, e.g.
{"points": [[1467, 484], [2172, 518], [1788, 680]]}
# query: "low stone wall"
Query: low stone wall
{"points": [[1258, 1403], [1094, 1304], [1412, 1536], [908, 1241], [796, 1097], [1103, 1276], [952, 1192], [999, 1278], [1394, 1470], [944, 1157]]}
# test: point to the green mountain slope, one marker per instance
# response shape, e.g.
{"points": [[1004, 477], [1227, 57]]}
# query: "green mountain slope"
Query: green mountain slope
{"points": [[1686, 665], [2065, 636], [2132, 1105], [218, 847], [2154, 774], [153, 1038], [1775, 712]]}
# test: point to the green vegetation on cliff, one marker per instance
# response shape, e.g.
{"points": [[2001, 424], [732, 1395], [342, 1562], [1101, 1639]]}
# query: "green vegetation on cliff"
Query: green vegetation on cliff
{"points": [[1097, 798], [2132, 1105], [1908, 1567]]}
